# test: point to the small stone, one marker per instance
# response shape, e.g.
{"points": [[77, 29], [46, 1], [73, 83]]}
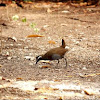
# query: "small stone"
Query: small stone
{"points": [[9, 58], [45, 26], [49, 37], [97, 50], [84, 68], [14, 38], [18, 58], [81, 75], [27, 57], [11, 44], [30, 54], [32, 58], [70, 64], [26, 47], [0, 77], [79, 25], [64, 24], [77, 42], [31, 64], [19, 44], [20, 49], [76, 30], [67, 47], [28, 40], [82, 33], [65, 11], [7, 53], [70, 31]]}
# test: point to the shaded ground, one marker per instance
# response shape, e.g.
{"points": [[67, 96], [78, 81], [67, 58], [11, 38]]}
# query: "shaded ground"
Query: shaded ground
{"points": [[80, 28]]}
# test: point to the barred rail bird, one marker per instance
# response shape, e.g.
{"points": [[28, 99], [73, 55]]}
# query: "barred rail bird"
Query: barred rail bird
{"points": [[54, 54]]}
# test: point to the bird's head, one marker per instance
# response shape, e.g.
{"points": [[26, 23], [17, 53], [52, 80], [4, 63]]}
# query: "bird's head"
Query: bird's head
{"points": [[38, 58]]}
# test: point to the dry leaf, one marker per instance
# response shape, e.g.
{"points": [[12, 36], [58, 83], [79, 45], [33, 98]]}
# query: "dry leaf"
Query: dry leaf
{"points": [[19, 78], [64, 24], [97, 73], [83, 4], [89, 92], [3, 78], [51, 42], [45, 66], [35, 35], [60, 98], [56, 80]]}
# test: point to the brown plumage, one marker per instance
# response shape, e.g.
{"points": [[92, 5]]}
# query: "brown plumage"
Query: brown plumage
{"points": [[54, 54]]}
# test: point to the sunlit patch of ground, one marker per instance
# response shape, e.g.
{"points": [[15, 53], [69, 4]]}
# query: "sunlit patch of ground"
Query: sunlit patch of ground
{"points": [[45, 89]]}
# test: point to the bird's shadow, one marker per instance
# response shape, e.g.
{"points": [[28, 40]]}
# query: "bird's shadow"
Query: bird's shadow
{"points": [[57, 64]]}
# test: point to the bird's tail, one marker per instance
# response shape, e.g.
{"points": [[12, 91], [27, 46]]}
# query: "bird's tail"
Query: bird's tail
{"points": [[63, 43]]}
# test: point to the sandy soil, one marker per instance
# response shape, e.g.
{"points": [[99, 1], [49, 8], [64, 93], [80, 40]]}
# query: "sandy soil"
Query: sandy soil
{"points": [[79, 27]]}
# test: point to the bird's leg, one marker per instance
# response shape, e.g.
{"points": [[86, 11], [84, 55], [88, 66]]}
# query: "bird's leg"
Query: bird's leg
{"points": [[65, 61], [57, 63]]}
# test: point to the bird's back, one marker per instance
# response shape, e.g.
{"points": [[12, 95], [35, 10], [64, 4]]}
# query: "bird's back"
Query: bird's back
{"points": [[55, 53]]}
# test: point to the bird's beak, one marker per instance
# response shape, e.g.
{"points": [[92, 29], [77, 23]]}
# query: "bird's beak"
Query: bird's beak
{"points": [[37, 61]]}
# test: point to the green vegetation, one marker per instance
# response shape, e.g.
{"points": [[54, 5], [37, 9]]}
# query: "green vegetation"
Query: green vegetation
{"points": [[15, 17], [24, 20]]}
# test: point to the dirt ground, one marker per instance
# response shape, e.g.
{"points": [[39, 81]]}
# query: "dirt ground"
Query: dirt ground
{"points": [[78, 26]]}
